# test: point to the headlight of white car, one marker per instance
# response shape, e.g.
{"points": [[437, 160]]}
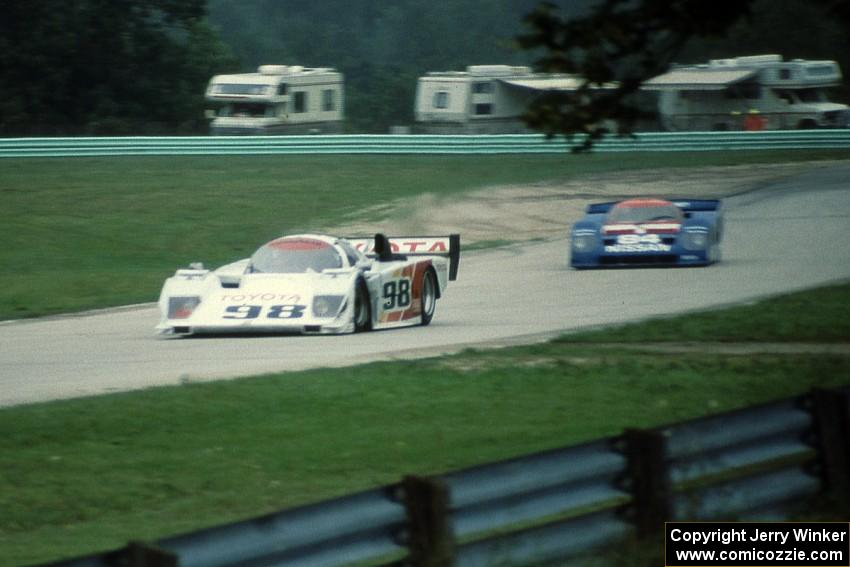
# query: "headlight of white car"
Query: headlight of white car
{"points": [[182, 307], [327, 305]]}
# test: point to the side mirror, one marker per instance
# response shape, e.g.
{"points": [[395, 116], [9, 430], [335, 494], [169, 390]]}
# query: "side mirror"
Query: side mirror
{"points": [[383, 249]]}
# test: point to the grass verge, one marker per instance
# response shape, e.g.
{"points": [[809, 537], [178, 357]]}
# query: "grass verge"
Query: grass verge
{"points": [[83, 233], [84, 475]]}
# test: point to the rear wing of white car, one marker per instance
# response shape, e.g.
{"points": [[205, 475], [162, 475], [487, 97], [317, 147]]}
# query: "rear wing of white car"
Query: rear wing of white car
{"points": [[389, 248]]}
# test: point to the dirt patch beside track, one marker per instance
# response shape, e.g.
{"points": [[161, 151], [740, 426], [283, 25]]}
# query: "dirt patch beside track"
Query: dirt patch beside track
{"points": [[545, 210]]}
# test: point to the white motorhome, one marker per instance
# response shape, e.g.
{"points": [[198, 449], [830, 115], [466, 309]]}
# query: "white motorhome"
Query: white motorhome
{"points": [[754, 92], [277, 99], [484, 99]]}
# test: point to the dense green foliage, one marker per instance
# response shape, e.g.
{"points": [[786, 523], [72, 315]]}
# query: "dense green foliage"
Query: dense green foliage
{"points": [[626, 43], [96, 67], [86, 475]]}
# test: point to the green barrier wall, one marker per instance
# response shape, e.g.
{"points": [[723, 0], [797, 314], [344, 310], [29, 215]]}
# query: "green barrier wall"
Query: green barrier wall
{"points": [[418, 144]]}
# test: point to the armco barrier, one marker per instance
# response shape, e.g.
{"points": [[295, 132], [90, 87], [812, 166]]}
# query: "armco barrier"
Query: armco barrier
{"points": [[418, 144], [552, 506]]}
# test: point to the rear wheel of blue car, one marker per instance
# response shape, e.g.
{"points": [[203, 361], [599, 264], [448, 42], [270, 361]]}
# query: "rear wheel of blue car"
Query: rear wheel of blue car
{"points": [[362, 309], [429, 296]]}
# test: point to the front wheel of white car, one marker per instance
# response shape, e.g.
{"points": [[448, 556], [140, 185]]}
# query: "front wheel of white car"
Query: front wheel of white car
{"points": [[362, 309], [429, 296]]}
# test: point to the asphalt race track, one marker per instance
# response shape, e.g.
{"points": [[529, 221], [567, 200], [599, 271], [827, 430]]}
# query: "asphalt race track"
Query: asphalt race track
{"points": [[790, 235]]}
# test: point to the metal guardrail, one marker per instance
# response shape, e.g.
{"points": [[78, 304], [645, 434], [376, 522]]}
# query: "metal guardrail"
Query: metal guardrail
{"points": [[418, 144], [554, 505], [337, 532]]}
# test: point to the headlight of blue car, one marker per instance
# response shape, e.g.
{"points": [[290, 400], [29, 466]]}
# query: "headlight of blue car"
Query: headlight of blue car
{"points": [[695, 240], [582, 242]]}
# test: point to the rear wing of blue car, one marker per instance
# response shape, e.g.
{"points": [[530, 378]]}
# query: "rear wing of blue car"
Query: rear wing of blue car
{"points": [[687, 205], [697, 205]]}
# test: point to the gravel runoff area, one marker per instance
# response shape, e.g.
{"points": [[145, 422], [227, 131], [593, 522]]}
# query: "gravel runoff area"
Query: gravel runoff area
{"points": [[516, 213]]}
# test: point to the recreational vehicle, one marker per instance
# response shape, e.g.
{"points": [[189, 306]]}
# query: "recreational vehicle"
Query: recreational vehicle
{"points": [[484, 99], [749, 93], [277, 99]]}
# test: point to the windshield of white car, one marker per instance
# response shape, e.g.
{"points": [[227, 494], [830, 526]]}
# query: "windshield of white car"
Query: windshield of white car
{"points": [[639, 215], [295, 256]]}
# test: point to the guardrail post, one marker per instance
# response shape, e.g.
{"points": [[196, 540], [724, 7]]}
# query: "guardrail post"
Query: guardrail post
{"points": [[141, 554], [426, 500], [831, 411], [646, 451]]}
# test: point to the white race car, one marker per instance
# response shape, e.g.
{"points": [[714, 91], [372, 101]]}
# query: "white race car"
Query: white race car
{"points": [[314, 284]]}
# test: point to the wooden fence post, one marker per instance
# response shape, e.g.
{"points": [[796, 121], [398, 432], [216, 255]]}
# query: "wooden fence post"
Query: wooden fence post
{"points": [[831, 411], [426, 500], [141, 554], [646, 451]]}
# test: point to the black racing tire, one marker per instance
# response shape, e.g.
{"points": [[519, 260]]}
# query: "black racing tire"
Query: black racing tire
{"points": [[428, 297], [362, 308]]}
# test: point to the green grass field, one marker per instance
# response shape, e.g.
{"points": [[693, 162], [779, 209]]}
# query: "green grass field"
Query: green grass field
{"points": [[85, 475], [83, 233]]}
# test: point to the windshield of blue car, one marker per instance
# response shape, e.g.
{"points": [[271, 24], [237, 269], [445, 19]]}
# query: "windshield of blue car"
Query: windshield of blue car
{"points": [[295, 256], [640, 215]]}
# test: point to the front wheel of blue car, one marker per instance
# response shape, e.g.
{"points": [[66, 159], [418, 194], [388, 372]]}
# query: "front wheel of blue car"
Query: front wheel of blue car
{"points": [[714, 250], [714, 254]]}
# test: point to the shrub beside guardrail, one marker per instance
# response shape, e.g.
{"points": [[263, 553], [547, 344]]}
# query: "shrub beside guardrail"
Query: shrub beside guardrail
{"points": [[550, 506], [418, 144]]}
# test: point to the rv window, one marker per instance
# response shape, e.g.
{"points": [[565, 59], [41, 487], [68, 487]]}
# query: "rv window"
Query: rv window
{"points": [[820, 70], [811, 95], [328, 102], [749, 91], [246, 109], [786, 96], [282, 89], [235, 89], [785, 74], [482, 88], [300, 102], [441, 99], [483, 108]]}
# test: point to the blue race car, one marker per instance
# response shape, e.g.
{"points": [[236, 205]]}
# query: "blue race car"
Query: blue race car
{"points": [[647, 232]]}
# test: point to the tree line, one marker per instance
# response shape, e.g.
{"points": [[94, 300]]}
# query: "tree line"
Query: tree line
{"points": [[103, 67], [140, 67]]}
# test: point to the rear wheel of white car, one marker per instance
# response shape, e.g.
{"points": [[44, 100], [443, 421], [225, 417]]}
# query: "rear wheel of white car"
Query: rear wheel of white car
{"points": [[429, 296], [362, 309]]}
